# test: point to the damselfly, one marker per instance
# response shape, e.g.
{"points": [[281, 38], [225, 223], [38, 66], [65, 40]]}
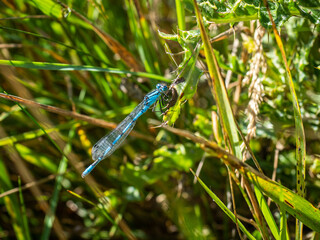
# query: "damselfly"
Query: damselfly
{"points": [[109, 143]]}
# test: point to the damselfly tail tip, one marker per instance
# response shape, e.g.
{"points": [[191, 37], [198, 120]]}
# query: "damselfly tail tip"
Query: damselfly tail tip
{"points": [[86, 172], [90, 168]]}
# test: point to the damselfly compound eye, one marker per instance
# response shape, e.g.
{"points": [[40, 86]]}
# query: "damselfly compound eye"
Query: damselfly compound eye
{"points": [[161, 87]]}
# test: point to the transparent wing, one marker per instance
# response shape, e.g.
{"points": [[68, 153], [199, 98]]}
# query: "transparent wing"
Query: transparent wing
{"points": [[109, 143], [98, 155]]}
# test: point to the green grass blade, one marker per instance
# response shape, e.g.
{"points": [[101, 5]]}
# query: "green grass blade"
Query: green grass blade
{"points": [[180, 15], [34, 134], [70, 67], [49, 218], [54, 9], [290, 201], [223, 103], [81, 198], [223, 207], [11, 203], [267, 214], [26, 231], [299, 129], [284, 234], [219, 89]]}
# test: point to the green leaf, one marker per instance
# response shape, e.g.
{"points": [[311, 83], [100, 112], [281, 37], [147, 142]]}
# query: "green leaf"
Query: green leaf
{"points": [[247, 10]]}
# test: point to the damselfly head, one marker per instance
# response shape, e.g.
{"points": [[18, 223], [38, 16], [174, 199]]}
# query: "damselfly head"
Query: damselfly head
{"points": [[161, 87]]}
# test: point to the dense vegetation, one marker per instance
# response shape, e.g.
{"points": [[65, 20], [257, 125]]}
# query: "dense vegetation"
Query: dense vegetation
{"points": [[233, 153]]}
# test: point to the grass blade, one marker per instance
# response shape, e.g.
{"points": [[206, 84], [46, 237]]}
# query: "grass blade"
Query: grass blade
{"points": [[12, 203], [180, 15], [49, 218], [223, 207], [26, 231], [267, 214], [292, 202], [70, 67], [299, 129], [219, 89], [224, 108]]}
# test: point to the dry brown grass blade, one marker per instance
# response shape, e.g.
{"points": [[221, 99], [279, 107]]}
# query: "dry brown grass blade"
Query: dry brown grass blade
{"points": [[228, 33], [28, 185], [232, 161], [113, 44], [74, 115], [80, 75]]}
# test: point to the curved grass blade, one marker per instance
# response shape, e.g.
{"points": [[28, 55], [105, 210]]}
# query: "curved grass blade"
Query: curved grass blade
{"points": [[292, 202], [70, 67], [50, 216], [58, 10], [225, 110], [11, 203], [144, 38], [267, 214], [299, 129], [24, 219], [223, 207], [219, 89]]}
